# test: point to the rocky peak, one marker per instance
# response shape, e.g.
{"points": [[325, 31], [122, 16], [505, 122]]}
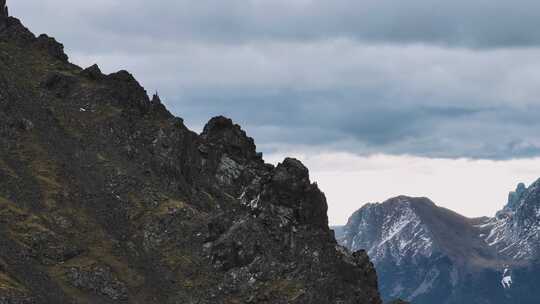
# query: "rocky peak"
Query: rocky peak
{"points": [[228, 136], [11, 27], [4, 13], [231, 154], [156, 99], [515, 196], [291, 175], [390, 230], [93, 72], [128, 91], [290, 187], [51, 46], [514, 229], [528, 201]]}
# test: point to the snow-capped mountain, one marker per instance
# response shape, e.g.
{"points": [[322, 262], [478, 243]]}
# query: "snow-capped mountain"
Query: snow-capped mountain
{"points": [[428, 254], [515, 230], [398, 231]]}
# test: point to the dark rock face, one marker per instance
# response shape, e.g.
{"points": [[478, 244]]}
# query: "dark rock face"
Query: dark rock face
{"points": [[224, 134], [106, 197], [515, 197], [98, 279], [93, 72], [51, 46], [427, 254], [289, 187]]}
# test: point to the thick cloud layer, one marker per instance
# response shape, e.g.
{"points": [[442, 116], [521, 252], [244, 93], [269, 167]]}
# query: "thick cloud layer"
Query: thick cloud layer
{"points": [[476, 23], [427, 78]]}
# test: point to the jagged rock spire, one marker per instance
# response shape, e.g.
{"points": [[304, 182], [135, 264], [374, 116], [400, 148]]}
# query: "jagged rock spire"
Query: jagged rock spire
{"points": [[515, 196], [222, 131], [3, 9], [156, 99], [3, 14]]}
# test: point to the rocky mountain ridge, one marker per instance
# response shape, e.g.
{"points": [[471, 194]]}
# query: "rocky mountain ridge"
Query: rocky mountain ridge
{"points": [[105, 197], [515, 230], [426, 253]]}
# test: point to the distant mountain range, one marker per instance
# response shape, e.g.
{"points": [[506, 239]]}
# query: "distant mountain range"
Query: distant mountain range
{"points": [[427, 254]]}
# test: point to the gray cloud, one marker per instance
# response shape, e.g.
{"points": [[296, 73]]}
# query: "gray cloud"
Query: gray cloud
{"points": [[341, 95], [343, 124], [429, 78], [477, 23]]}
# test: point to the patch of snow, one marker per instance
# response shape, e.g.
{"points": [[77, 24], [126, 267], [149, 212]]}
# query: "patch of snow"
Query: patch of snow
{"points": [[506, 282], [255, 202], [402, 235], [512, 239]]}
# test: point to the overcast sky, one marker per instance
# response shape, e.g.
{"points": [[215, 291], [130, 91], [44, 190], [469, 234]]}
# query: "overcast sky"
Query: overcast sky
{"points": [[378, 97]]}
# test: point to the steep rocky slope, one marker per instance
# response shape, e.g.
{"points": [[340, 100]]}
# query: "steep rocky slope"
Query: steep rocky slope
{"points": [[106, 197], [429, 254], [515, 230]]}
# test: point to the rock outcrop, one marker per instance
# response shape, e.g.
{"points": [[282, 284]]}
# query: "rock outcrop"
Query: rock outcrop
{"points": [[514, 197], [106, 197], [515, 230]]}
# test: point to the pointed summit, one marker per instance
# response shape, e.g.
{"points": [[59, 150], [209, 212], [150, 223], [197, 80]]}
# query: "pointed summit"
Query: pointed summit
{"points": [[4, 14], [3, 8], [156, 99], [515, 196], [222, 131]]}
